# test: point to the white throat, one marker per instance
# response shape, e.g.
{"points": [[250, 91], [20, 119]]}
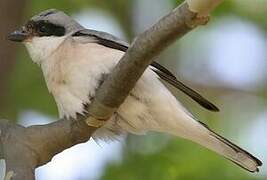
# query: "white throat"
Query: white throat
{"points": [[40, 48]]}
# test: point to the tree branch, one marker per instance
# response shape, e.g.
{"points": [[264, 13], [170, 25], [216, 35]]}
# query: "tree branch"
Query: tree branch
{"points": [[24, 149]]}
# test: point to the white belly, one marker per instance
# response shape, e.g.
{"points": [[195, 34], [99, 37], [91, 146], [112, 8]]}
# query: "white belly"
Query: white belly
{"points": [[74, 80]]}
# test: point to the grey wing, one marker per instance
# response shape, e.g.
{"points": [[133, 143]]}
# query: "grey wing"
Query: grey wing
{"points": [[111, 41], [103, 38]]}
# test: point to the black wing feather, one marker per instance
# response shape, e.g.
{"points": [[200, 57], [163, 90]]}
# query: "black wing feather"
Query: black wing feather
{"points": [[111, 41], [190, 92]]}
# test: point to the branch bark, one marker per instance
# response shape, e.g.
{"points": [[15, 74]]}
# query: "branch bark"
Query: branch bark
{"points": [[24, 149]]}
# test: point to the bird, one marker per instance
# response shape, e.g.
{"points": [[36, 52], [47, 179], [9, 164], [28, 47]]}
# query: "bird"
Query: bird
{"points": [[75, 61]]}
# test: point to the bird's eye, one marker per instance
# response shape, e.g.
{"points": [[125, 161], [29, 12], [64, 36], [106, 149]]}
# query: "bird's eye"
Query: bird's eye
{"points": [[43, 28]]}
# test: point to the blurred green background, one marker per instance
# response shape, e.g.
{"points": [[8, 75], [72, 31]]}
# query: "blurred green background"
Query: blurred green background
{"points": [[226, 61]]}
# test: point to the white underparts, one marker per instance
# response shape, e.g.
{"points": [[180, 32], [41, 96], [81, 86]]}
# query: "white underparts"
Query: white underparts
{"points": [[40, 48]]}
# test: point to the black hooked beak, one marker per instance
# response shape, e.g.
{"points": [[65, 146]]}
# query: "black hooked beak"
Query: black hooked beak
{"points": [[18, 35]]}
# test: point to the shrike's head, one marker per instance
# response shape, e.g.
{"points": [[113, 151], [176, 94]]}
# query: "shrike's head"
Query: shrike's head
{"points": [[44, 32]]}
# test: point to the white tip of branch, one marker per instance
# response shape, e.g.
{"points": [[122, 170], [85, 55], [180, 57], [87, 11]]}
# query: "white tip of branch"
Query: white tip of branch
{"points": [[203, 7]]}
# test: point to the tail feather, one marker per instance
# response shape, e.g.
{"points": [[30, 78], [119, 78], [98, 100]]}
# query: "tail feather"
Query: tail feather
{"points": [[211, 140], [233, 152]]}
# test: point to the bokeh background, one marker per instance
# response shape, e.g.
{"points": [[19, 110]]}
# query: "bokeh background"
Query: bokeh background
{"points": [[226, 61]]}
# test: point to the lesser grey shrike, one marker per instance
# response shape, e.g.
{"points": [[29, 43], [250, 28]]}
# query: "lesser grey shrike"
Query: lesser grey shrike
{"points": [[74, 61]]}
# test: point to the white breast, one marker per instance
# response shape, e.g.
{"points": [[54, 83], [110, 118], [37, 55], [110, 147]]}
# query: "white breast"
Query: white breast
{"points": [[40, 48], [74, 72]]}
